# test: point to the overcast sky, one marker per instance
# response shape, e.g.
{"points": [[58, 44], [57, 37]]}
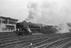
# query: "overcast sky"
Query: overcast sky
{"points": [[52, 11], [15, 8]]}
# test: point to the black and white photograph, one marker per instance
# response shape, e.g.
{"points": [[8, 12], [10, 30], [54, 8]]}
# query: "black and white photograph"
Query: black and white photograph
{"points": [[35, 23]]}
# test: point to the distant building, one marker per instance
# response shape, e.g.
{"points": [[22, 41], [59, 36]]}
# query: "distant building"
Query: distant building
{"points": [[7, 24]]}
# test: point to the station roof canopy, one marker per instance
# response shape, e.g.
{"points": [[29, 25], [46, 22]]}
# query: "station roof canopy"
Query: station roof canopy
{"points": [[8, 18]]}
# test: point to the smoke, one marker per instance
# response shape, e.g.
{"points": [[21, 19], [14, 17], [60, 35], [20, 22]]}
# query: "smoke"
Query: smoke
{"points": [[34, 13], [49, 12], [53, 12], [63, 28]]}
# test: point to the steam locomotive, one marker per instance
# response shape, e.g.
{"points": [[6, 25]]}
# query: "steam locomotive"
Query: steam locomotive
{"points": [[26, 28], [23, 29]]}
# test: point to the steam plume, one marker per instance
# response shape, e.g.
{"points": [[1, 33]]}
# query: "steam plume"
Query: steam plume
{"points": [[52, 12]]}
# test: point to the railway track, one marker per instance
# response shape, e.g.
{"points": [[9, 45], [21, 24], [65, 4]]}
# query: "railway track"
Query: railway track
{"points": [[42, 41], [55, 44], [23, 41], [47, 42], [10, 39]]}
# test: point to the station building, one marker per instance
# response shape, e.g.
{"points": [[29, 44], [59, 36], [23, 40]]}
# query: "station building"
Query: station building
{"points": [[7, 24]]}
